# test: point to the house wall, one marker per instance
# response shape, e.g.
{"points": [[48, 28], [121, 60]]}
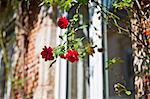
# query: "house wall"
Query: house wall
{"points": [[33, 79], [26, 70]]}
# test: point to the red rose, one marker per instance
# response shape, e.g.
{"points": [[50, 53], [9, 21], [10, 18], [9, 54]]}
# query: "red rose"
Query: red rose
{"points": [[72, 55], [47, 53], [63, 22], [63, 56]]}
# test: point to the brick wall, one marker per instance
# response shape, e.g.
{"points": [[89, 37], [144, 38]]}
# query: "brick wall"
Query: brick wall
{"points": [[26, 73], [32, 77]]}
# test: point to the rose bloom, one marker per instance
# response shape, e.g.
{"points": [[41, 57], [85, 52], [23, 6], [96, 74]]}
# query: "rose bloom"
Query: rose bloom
{"points": [[47, 53], [63, 56], [63, 22], [72, 55]]}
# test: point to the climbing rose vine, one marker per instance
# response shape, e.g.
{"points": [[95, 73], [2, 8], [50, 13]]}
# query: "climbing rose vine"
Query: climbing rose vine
{"points": [[72, 47]]}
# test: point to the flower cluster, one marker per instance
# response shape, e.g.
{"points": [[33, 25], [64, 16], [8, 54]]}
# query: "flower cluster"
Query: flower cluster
{"points": [[74, 49], [71, 55], [50, 54]]}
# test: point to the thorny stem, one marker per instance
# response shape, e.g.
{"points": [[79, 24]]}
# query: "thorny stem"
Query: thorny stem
{"points": [[119, 27]]}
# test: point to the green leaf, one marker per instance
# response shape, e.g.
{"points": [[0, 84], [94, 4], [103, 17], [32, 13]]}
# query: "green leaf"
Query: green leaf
{"points": [[128, 93], [65, 4], [81, 27], [79, 39], [147, 71], [82, 53], [76, 46], [114, 61], [75, 18], [59, 50], [123, 4], [83, 1]]}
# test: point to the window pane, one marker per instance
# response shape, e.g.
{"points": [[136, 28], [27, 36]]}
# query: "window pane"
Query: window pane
{"points": [[119, 46]]}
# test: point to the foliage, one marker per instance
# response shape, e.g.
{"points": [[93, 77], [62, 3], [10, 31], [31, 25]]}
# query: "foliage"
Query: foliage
{"points": [[73, 45], [113, 61], [119, 88], [123, 4], [64, 4]]}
